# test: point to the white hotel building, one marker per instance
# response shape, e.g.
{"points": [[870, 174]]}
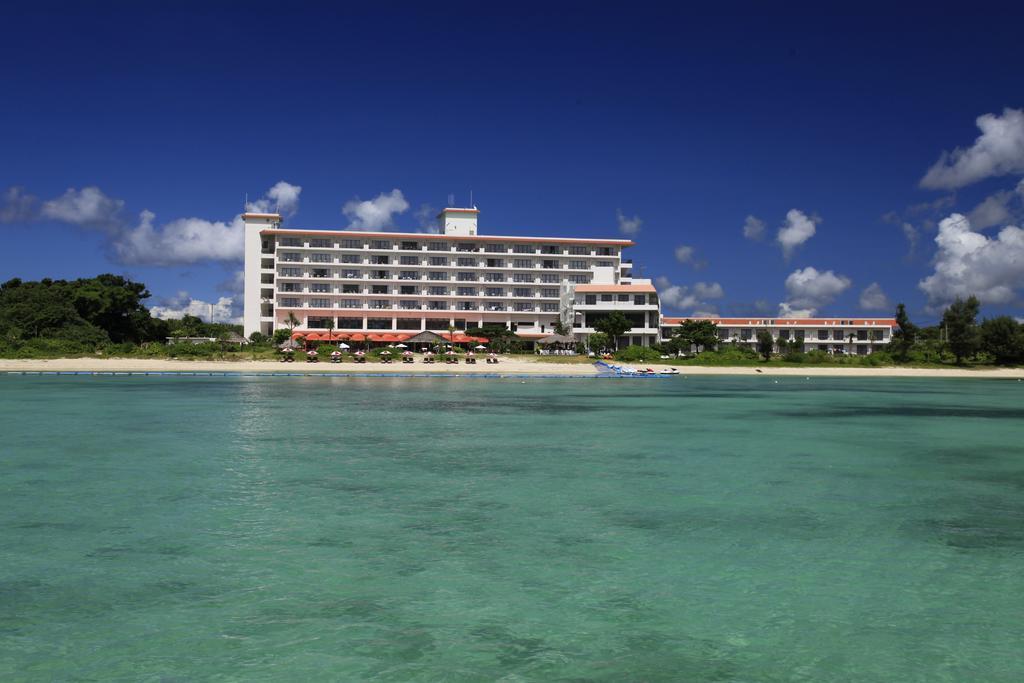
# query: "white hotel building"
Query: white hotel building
{"points": [[393, 282]]}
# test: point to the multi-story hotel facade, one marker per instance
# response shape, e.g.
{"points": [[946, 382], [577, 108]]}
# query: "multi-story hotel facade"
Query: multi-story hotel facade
{"points": [[356, 281], [394, 282], [847, 336]]}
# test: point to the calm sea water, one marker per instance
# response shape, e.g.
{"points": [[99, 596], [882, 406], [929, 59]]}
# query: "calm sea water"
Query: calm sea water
{"points": [[698, 529]]}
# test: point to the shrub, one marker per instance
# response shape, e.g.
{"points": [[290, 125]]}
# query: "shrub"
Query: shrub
{"points": [[636, 354]]}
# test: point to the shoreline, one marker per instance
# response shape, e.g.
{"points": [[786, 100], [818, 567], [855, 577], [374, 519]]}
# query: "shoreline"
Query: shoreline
{"points": [[506, 366]]}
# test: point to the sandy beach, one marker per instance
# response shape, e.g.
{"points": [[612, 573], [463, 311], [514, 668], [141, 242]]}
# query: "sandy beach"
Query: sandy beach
{"points": [[506, 366]]}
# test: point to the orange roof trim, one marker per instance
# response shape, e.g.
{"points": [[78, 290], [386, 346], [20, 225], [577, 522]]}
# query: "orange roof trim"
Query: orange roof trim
{"points": [[616, 288]]}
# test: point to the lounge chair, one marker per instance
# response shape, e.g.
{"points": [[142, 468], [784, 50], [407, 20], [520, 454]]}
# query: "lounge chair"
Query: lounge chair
{"points": [[408, 359]]}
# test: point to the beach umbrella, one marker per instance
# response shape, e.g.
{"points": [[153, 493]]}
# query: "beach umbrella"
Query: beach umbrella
{"points": [[449, 353], [400, 346], [288, 350], [480, 346], [470, 353], [406, 353], [343, 345], [428, 353], [335, 354], [312, 352], [385, 352], [360, 353]]}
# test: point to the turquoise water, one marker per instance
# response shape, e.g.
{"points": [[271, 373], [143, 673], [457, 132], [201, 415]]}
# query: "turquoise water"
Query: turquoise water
{"points": [[698, 529]]}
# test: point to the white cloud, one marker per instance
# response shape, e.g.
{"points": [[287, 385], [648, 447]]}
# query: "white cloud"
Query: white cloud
{"points": [[996, 208], [874, 298], [999, 150], [184, 240], [177, 307], [375, 214], [809, 289], [910, 232], [628, 226], [798, 229], [753, 228], [16, 206], [235, 284], [426, 217], [969, 262], [87, 207], [683, 297], [684, 253], [282, 198]]}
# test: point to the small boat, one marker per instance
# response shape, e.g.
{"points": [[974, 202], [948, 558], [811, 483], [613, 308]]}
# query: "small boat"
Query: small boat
{"points": [[670, 371]]}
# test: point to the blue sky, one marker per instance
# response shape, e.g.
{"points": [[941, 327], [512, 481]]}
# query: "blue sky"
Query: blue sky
{"points": [[567, 119]]}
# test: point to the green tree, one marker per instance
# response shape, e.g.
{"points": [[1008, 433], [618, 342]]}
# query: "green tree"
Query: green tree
{"points": [[615, 324], [905, 336], [959, 322], [561, 328], [597, 342], [765, 344], [700, 333], [291, 322], [1003, 339]]}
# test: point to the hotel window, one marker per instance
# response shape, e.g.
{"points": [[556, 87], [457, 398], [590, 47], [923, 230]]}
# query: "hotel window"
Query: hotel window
{"points": [[350, 289], [320, 243], [290, 303], [408, 324], [550, 249], [466, 277], [407, 289], [350, 323], [437, 291], [351, 258], [578, 265], [578, 279], [350, 303], [321, 272], [549, 308], [604, 251], [319, 303], [494, 277], [318, 323], [437, 276], [590, 299], [466, 262], [438, 261], [521, 292], [784, 334], [623, 297], [408, 275], [822, 334], [524, 249], [876, 335], [579, 251], [466, 291], [351, 244], [291, 272], [289, 287], [605, 264], [495, 248], [437, 306], [746, 334], [291, 257], [862, 335], [465, 306], [380, 260], [549, 279], [522, 263], [437, 246], [409, 260], [320, 258], [494, 307], [494, 291], [378, 289], [437, 323], [606, 297], [350, 274], [798, 335], [522, 277], [380, 244], [549, 264], [291, 242], [409, 305], [495, 263], [378, 323], [639, 300], [549, 292], [837, 335], [380, 275], [379, 304], [465, 246], [320, 288], [522, 306], [410, 246]]}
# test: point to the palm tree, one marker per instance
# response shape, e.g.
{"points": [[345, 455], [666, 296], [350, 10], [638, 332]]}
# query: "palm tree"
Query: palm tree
{"points": [[291, 322]]}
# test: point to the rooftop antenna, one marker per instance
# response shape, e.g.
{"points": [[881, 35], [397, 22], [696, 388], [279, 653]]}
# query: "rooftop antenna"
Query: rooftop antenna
{"points": [[245, 207], [451, 199], [471, 205]]}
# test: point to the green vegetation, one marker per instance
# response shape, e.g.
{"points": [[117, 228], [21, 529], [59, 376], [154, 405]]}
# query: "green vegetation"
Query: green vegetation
{"points": [[614, 325]]}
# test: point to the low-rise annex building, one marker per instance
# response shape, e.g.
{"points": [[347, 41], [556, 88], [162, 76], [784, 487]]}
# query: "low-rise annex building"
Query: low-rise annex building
{"points": [[356, 281], [850, 336]]}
